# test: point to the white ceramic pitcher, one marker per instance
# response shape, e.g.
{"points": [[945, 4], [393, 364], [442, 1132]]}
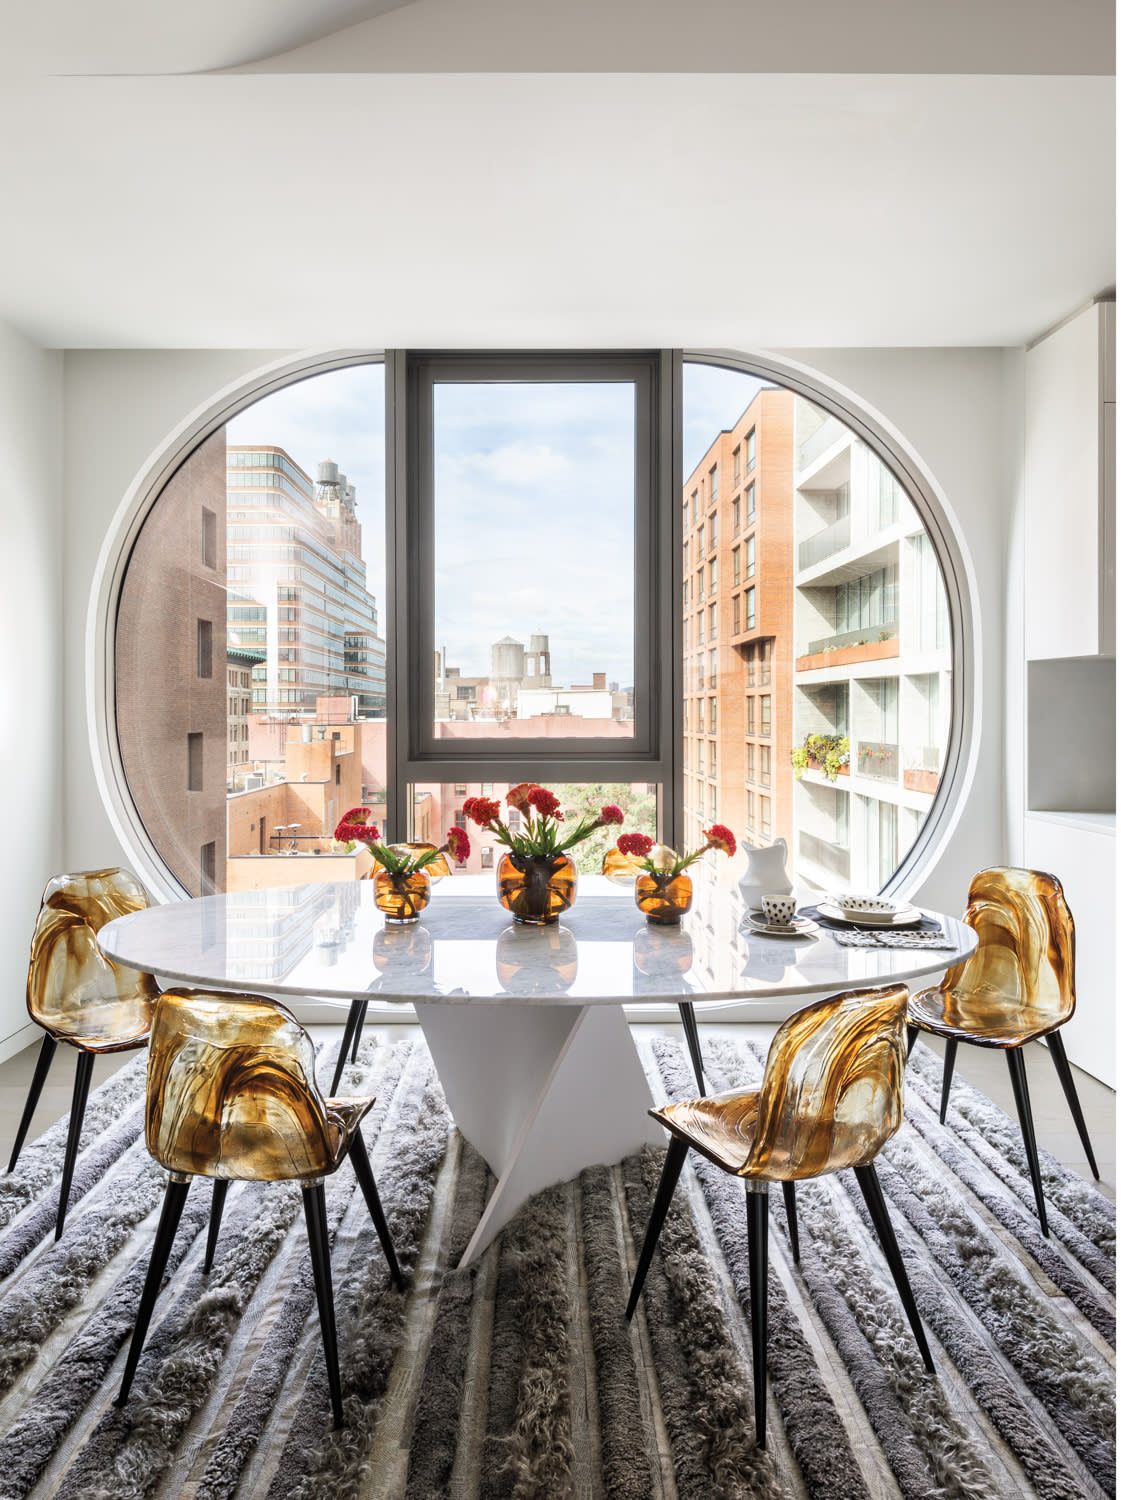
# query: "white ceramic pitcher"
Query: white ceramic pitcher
{"points": [[765, 874]]}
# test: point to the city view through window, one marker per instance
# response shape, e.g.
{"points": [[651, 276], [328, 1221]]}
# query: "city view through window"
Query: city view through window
{"points": [[815, 631]]}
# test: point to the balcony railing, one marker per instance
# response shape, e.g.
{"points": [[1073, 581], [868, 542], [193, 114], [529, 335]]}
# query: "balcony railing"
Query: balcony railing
{"points": [[830, 432], [887, 632], [923, 757], [878, 759], [828, 857], [834, 538]]}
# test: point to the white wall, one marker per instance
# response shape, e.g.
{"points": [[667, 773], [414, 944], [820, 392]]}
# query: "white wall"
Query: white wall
{"points": [[31, 611]]}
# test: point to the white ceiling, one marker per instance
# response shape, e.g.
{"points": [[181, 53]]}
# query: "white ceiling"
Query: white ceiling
{"points": [[377, 206]]}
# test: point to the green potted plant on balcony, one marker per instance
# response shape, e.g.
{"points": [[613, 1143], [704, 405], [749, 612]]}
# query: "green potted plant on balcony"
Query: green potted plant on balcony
{"points": [[826, 753]]}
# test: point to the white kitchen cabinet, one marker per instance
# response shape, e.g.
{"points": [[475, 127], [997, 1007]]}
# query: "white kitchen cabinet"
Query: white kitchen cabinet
{"points": [[1069, 488], [1080, 849]]}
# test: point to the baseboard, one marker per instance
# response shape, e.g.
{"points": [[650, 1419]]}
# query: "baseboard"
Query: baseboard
{"points": [[24, 1037]]}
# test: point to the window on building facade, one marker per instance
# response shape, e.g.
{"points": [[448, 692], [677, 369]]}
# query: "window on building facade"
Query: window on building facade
{"points": [[750, 447], [765, 817], [765, 764], [765, 714], [751, 557], [750, 504], [735, 566], [749, 722], [749, 761], [749, 607], [736, 514], [712, 496], [712, 622], [735, 614]]}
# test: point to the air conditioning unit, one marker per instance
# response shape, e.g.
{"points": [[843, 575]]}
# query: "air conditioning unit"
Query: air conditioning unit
{"points": [[253, 782]]}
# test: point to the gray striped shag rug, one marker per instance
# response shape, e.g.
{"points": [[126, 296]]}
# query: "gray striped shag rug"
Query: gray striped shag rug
{"points": [[519, 1377]]}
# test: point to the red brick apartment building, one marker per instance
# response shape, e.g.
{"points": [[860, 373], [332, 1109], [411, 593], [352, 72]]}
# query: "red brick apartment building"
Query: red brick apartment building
{"points": [[738, 626]]}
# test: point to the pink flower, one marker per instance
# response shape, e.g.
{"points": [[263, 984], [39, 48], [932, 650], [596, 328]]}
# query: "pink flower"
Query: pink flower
{"points": [[639, 844], [719, 837], [610, 814], [518, 796], [458, 844], [545, 803]]}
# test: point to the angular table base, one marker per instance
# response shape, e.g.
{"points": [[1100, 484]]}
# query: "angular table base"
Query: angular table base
{"points": [[540, 1091]]}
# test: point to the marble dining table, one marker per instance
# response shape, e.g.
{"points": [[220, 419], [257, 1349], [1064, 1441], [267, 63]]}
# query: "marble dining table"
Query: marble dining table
{"points": [[525, 1024]]}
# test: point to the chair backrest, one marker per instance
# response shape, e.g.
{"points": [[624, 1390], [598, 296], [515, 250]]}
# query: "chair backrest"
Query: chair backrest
{"points": [[68, 973], [232, 1092], [1023, 968], [832, 1091]]}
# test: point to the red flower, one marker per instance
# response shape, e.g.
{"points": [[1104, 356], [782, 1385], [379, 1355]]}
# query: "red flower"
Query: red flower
{"points": [[458, 844], [518, 796], [355, 825], [610, 814], [481, 810], [545, 803], [639, 844], [719, 837]]}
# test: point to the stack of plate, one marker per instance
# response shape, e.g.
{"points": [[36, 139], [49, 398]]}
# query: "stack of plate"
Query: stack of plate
{"points": [[870, 911]]}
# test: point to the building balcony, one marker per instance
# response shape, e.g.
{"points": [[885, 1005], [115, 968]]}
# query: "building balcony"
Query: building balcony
{"points": [[834, 538], [877, 759], [922, 768], [874, 643], [828, 857], [829, 433]]}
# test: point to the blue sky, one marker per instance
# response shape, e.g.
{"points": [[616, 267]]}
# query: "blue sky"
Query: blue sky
{"points": [[534, 500]]}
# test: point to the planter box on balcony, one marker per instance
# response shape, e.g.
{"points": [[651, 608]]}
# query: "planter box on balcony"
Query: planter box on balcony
{"points": [[813, 764], [921, 781], [843, 656]]}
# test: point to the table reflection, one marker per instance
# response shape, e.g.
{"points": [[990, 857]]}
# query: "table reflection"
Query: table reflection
{"points": [[536, 960]]}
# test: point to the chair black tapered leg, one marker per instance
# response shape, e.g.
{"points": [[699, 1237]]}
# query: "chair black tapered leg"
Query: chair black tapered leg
{"points": [[1019, 1076], [42, 1068], [82, 1076], [912, 1038], [947, 1076], [757, 1221], [217, 1204], [675, 1159], [173, 1200], [358, 1030], [315, 1211], [348, 1037], [360, 1160], [885, 1233], [693, 1040], [1062, 1067], [791, 1207]]}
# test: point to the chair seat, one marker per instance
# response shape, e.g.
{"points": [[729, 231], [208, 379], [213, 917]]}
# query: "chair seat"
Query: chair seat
{"points": [[721, 1126], [988, 1018], [113, 1026]]}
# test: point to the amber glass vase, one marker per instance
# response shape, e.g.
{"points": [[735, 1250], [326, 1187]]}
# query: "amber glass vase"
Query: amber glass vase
{"points": [[401, 898], [663, 898], [536, 888]]}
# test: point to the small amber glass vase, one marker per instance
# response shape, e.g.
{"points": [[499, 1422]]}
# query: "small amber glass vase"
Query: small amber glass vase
{"points": [[536, 888], [663, 898], [401, 898]]}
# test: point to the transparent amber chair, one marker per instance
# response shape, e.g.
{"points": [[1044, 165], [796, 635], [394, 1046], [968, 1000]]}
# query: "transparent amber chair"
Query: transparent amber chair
{"points": [[1016, 987], [80, 997], [831, 1097], [232, 1096]]}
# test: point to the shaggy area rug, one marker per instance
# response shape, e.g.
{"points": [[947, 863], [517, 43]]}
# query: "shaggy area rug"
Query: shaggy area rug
{"points": [[518, 1376]]}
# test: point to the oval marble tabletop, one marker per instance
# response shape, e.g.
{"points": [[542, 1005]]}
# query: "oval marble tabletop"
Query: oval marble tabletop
{"points": [[329, 941]]}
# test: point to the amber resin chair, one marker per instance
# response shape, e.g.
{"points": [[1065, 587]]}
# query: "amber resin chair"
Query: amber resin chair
{"points": [[831, 1096], [80, 997], [232, 1096], [1016, 987]]}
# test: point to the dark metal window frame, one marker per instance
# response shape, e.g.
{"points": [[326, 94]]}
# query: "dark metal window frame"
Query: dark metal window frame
{"points": [[414, 753]]}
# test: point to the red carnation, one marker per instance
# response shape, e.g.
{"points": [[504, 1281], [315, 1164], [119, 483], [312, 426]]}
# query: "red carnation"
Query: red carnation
{"points": [[356, 815], [481, 810], [545, 802], [518, 796], [610, 814], [458, 844], [639, 844], [719, 837]]}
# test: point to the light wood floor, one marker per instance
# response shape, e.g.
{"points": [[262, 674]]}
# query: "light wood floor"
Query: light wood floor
{"points": [[985, 1069]]}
